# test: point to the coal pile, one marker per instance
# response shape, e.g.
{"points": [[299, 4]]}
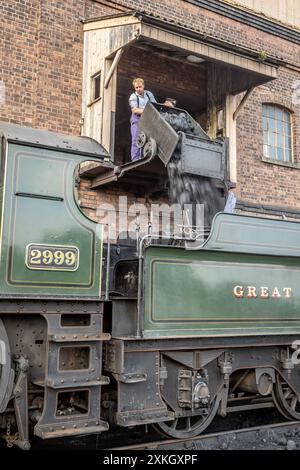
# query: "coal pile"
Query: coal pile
{"points": [[180, 122]]}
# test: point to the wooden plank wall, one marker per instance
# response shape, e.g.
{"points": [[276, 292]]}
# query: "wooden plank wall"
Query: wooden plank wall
{"points": [[99, 48]]}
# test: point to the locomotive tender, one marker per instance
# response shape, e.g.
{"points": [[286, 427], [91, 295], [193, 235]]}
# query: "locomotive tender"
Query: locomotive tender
{"points": [[199, 332]]}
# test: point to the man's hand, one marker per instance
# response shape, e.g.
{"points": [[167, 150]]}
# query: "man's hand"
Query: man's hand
{"points": [[169, 104], [136, 110]]}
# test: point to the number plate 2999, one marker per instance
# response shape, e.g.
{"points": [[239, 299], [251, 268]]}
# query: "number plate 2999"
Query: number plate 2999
{"points": [[52, 257]]}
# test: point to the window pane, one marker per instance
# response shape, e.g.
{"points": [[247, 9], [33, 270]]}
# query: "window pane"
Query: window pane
{"points": [[266, 153], [272, 140], [287, 128], [272, 153], [272, 111], [266, 135], [97, 81], [279, 114], [279, 140], [265, 123], [265, 110], [288, 142], [280, 154], [272, 125], [288, 155]]}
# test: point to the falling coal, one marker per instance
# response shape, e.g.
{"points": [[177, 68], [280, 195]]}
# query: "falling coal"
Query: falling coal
{"points": [[186, 188], [192, 190]]}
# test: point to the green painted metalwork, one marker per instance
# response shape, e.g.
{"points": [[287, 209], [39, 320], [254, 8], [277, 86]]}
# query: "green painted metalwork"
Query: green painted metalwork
{"points": [[224, 292], [244, 234], [38, 207]]}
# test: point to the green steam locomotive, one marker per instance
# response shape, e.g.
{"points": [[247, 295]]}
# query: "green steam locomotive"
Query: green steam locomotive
{"points": [[94, 334]]}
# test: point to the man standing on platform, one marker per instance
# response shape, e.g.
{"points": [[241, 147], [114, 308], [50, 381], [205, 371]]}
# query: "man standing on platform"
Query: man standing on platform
{"points": [[137, 103]]}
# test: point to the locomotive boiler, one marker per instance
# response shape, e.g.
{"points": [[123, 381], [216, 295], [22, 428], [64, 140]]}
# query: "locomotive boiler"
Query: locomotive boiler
{"points": [[94, 335]]}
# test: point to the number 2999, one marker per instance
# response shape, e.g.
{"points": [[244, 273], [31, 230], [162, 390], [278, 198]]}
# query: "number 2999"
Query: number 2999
{"points": [[63, 258]]}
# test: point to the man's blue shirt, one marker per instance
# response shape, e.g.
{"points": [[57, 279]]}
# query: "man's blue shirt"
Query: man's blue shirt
{"points": [[137, 101]]}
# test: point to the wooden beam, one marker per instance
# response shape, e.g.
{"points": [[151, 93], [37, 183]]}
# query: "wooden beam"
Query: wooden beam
{"points": [[243, 102], [111, 23], [113, 67]]}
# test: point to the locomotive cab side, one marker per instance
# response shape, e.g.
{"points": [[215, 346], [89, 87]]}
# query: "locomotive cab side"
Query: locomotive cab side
{"points": [[48, 247]]}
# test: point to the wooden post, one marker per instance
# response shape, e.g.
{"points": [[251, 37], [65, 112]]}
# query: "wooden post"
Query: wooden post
{"points": [[211, 101], [113, 67]]}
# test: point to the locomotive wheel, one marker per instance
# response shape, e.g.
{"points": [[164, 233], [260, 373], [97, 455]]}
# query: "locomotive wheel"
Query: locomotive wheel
{"points": [[189, 426], [6, 374], [150, 148], [141, 140], [285, 399]]}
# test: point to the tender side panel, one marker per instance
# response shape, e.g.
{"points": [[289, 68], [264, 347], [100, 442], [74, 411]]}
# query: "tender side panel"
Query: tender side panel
{"points": [[214, 293]]}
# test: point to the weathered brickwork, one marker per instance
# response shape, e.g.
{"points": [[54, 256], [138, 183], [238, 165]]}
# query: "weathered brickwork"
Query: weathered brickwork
{"points": [[19, 55], [41, 61], [41, 51]]}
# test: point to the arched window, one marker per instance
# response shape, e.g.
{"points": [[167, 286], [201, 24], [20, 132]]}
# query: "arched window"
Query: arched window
{"points": [[277, 131]]}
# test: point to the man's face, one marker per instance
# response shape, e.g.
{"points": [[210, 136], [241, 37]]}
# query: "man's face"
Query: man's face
{"points": [[139, 88]]}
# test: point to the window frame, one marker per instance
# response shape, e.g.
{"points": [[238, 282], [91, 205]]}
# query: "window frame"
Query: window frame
{"points": [[284, 136], [93, 98]]}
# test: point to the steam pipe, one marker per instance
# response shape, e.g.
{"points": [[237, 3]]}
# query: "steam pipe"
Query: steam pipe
{"points": [[107, 264]]}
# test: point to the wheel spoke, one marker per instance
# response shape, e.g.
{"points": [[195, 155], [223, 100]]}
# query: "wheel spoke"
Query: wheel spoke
{"points": [[174, 424], [294, 402], [285, 399], [188, 426], [188, 423]]}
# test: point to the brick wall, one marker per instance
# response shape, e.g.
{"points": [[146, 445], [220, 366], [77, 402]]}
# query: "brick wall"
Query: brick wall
{"points": [[163, 73], [41, 64], [41, 61], [260, 182], [18, 56], [115, 206]]}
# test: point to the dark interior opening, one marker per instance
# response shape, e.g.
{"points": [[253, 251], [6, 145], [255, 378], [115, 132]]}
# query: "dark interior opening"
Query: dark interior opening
{"points": [[166, 74], [75, 319], [72, 403]]}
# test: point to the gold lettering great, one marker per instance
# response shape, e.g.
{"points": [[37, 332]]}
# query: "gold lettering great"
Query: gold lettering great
{"points": [[263, 292]]}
